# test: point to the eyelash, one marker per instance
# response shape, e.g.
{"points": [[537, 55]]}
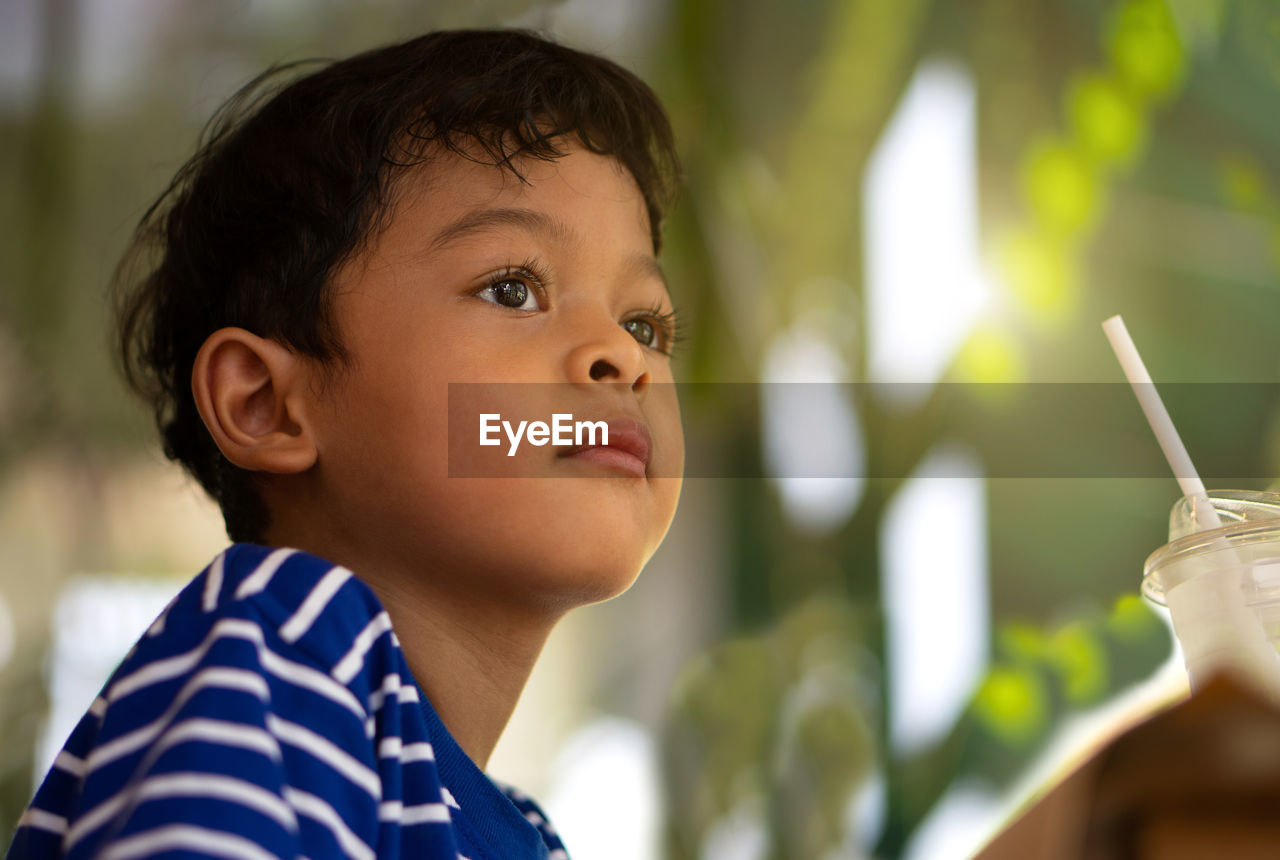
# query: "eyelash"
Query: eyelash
{"points": [[529, 271], [668, 324]]}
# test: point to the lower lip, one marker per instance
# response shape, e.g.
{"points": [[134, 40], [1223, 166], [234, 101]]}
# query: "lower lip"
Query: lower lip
{"points": [[614, 458]]}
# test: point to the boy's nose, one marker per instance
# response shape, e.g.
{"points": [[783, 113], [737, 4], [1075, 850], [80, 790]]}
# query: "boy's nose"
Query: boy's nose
{"points": [[610, 355]]}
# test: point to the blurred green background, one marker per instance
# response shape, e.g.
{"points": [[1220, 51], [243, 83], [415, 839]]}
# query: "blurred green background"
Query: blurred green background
{"points": [[919, 191]]}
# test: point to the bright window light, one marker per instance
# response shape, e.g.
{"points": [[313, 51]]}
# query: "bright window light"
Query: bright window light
{"points": [[934, 584], [620, 822], [812, 439], [925, 287], [95, 622]]}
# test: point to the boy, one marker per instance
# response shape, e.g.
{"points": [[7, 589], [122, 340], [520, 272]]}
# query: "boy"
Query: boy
{"points": [[480, 206]]}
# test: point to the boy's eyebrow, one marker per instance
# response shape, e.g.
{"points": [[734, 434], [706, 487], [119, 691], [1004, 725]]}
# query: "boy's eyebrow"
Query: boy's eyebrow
{"points": [[480, 220], [533, 221], [647, 266]]}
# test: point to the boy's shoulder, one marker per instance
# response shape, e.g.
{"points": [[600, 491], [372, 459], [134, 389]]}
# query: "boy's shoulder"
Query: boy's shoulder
{"points": [[235, 714], [298, 603]]}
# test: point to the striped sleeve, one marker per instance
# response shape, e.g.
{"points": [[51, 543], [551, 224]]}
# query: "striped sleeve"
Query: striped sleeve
{"points": [[217, 737], [205, 752]]}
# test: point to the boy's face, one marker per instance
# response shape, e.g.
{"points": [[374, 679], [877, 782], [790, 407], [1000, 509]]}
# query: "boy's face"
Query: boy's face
{"points": [[478, 277]]}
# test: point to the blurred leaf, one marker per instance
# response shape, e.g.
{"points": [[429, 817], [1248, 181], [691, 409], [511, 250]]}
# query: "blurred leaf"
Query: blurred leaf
{"points": [[1243, 183], [1107, 124], [1062, 188], [1013, 704], [1022, 643], [1145, 49], [780, 715], [829, 757], [1138, 640], [990, 355], [1077, 652], [1131, 619]]}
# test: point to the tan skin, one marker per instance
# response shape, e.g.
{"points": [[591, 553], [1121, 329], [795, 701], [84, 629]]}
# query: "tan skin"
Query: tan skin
{"points": [[476, 278]]}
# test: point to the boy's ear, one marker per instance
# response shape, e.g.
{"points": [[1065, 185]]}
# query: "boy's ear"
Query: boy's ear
{"points": [[252, 395]]}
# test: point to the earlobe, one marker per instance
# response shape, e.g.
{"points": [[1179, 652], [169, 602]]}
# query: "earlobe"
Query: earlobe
{"points": [[251, 394]]}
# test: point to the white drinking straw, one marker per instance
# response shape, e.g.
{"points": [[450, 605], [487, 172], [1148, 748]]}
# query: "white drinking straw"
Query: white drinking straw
{"points": [[1212, 622], [1158, 417]]}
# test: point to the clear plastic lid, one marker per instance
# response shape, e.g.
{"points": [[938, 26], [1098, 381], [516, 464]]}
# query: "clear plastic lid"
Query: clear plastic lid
{"points": [[1248, 517]]}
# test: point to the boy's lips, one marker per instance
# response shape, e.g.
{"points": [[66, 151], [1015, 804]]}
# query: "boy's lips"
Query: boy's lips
{"points": [[628, 449]]}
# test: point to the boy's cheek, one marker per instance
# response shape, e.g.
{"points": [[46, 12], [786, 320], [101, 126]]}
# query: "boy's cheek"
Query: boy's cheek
{"points": [[669, 434]]}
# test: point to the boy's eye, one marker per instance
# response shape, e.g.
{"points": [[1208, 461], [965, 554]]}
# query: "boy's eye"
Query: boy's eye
{"points": [[512, 293], [654, 329], [643, 331]]}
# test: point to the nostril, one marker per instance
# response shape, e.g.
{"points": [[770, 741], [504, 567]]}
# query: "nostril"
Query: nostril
{"points": [[602, 369]]}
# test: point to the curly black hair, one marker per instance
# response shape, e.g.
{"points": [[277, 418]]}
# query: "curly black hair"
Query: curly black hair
{"points": [[290, 180]]}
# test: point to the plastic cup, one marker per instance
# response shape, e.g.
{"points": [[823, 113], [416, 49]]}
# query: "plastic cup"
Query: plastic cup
{"points": [[1222, 587]]}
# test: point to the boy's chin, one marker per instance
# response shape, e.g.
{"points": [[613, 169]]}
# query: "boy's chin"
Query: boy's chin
{"points": [[571, 593], [579, 580]]}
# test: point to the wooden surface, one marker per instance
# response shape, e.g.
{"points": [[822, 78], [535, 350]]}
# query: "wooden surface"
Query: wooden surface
{"points": [[1199, 780]]}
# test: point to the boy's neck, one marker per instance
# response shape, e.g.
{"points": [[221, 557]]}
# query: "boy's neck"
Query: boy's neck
{"points": [[471, 656], [472, 661]]}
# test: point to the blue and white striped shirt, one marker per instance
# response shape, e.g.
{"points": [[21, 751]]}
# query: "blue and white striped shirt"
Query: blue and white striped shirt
{"points": [[270, 713]]}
